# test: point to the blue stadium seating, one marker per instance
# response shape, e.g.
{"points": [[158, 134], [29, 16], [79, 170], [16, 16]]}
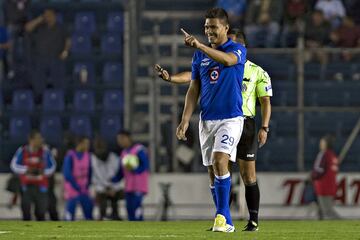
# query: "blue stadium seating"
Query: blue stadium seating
{"points": [[115, 22], [84, 101], [319, 124], [113, 101], [51, 129], [284, 124], [85, 22], [81, 126], [113, 73], [86, 68], [279, 154], [81, 45], [111, 44], [110, 126], [53, 100], [1, 103], [23, 101], [19, 129]]}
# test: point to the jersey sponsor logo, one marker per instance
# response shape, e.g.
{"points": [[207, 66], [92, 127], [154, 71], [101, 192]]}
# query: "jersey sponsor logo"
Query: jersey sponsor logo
{"points": [[205, 62], [214, 74]]}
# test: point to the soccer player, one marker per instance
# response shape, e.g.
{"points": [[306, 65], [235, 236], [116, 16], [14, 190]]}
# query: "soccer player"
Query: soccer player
{"points": [[217, 74], [77, 176], [35, 164], [136, 176], [256, 84]]}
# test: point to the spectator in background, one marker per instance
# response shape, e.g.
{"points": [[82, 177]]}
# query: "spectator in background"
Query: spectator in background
{"points": [[235, 9], [333, 11], [294, 16], [77, 176], [317, 33], [262, 22], [4, 47], [105, 167], [135, 169], [50, 46], [34, 163], [16, 14], [346, 36], [324, 178]]}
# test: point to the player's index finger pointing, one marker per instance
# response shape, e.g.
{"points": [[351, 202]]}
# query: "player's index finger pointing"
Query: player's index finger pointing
{"points": [[184, 32]]}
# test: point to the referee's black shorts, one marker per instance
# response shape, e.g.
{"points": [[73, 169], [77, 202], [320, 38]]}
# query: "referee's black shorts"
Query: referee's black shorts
{"points": [[248, 144]]}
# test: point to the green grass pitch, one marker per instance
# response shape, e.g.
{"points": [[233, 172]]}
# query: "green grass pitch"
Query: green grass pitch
{"points": [[190, 230]]}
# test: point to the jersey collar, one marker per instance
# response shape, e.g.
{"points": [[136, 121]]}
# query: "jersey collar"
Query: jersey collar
{"points": [[226, 44]]}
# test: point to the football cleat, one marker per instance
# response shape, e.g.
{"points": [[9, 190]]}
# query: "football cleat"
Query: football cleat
{"points": [[251, 227], [221, 226]]}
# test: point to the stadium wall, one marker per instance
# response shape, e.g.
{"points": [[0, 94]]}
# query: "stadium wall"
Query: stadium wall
{"points": [[281, 197]]}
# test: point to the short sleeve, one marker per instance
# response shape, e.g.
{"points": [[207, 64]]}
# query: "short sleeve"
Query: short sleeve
{"points": [[263, 84], [195, 70], [239, 51]]}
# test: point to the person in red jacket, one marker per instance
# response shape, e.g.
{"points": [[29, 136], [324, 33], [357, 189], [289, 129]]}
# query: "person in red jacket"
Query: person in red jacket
{"points": [[324, 178]]}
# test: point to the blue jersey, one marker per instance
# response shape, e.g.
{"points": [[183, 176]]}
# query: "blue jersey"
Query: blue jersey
{"points": [[220, 91]]}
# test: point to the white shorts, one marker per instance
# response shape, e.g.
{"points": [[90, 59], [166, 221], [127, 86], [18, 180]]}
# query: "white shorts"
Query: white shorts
{"points": [[219, 136]]}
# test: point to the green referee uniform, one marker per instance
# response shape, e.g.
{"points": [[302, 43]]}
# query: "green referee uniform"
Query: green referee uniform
{"points": [[256, 84]]}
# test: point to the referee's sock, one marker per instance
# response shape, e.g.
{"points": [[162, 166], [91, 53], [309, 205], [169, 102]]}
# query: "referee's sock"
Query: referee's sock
{"points": [[252, 196], [222, 190]]}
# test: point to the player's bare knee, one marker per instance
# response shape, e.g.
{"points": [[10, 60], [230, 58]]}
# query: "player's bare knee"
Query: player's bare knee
{"points": [[248, 178]]}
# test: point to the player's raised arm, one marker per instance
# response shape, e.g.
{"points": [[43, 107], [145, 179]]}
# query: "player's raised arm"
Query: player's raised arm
{"points": [[227, 59], [180, 78], [191, 100]]}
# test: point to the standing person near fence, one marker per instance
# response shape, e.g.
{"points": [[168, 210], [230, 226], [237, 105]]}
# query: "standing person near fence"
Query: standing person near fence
{"points": [[324, 178], [34, 163], [135, 170], [77, 177]]}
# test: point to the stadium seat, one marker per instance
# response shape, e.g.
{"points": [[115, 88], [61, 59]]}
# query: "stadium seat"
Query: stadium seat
{"points": [[111, 44], [319, 124], [84, 101], [81, 126], [110, 126], [53, 100], [113, 101], [20, 127], [284, 124], [23, 101], [51, 129], [113, 73], [81, 45], [1, 103], [84, 73], [115, 22], [85, 22]]}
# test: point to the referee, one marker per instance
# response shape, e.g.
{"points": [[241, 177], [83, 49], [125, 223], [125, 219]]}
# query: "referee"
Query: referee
{"points": [[256, 84]]}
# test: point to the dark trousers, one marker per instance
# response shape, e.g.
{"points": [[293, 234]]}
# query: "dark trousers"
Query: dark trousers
{"points": [[86, 204], [52, 208], [33, 195], [47, 71], [134, 206], [103, 199]]}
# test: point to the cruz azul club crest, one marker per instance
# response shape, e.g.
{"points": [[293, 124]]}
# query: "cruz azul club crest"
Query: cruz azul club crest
{"points": [[214, 74]]}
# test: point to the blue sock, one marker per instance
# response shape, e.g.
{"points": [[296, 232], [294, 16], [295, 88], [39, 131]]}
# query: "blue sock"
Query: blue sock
{"points": [[213, 193], [222, 189]]}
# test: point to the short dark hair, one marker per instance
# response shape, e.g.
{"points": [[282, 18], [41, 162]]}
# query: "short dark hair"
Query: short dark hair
{"points": [[33, 133], [219, 13], [239, 34], [80, 138], [330, 141], [124, 132]]}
